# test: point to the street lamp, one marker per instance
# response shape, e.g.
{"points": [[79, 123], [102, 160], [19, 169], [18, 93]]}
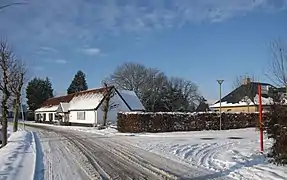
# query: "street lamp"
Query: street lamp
{"points": [[220, 83]]}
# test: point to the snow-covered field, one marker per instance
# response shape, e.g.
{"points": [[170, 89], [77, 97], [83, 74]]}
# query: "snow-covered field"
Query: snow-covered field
{"points": [[232, 152], [18, 157]]}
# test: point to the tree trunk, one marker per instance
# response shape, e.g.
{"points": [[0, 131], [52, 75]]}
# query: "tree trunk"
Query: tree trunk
{"points": [[105, 117], [4, 119], [16, 114]]}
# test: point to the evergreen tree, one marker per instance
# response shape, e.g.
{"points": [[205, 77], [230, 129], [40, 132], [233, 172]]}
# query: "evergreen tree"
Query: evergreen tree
{"points": [[78, 83], [38, 90]]}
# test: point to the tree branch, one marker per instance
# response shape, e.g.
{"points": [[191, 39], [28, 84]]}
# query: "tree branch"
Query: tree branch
{"points": [[11, 4]]}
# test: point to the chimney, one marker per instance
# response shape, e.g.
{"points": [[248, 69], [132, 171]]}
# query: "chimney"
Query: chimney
{"points": [[246, 80]]}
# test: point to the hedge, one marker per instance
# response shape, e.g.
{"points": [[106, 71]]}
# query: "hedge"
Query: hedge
{"points": [[135, 122]]}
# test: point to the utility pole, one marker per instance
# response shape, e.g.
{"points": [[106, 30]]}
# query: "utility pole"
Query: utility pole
{"points": [[220, 84]]}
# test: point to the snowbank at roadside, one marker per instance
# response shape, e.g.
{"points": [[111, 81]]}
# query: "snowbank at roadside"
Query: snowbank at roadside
{"points": [[105, 132], [231, 152], [110, 131], [17, 158]]}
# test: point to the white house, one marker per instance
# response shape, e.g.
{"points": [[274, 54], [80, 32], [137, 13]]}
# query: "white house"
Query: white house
{"points": [[85, 107]]}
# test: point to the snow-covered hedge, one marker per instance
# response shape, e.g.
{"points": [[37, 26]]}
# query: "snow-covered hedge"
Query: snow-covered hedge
{"points": [[173, 121]]}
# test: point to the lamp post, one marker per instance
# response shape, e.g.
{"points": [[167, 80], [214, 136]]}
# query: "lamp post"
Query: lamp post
{"points": [[220, 84]]}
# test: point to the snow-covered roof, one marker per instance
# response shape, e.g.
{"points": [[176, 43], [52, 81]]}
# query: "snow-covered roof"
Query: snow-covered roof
{"points": [[85, 101], [265, 101], [132, 100], [47, 109], [88, 100], [63, 107]]}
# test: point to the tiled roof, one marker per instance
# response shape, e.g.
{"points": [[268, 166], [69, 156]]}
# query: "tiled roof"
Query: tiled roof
{"points": [[239, 93], [57, 100]]}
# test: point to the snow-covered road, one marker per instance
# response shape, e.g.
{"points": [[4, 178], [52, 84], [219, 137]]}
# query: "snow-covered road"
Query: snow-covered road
{"points": [[69, 154], [58, 158]]}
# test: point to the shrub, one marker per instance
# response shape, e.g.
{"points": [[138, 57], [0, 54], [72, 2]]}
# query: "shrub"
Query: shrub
{"points": [[169, 121], [277, 130]]}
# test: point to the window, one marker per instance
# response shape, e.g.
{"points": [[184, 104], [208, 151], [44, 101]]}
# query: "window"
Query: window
{"points": [[44, 116], [50, 116], [81, 115]]}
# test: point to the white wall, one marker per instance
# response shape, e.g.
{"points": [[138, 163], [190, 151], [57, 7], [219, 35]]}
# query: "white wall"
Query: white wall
{"points": [[112, 114], [89, 117]]}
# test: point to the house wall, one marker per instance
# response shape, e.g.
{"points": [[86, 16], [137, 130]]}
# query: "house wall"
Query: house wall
{"points": [[90, 117], [112, 114], [242, 109]]}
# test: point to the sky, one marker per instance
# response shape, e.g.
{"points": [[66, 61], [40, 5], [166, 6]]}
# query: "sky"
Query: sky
{"points": [[199, 40]]}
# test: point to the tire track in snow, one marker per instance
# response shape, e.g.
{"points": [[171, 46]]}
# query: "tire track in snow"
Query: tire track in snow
{"points": [[119, 160], [118, 165], [125, 154], [179, 169], [59, 163]]}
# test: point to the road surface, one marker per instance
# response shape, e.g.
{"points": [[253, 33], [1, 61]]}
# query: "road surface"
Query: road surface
{"points": [[75, 155]]}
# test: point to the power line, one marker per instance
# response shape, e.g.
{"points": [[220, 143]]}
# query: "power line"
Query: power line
{"points": [[12, 4]]}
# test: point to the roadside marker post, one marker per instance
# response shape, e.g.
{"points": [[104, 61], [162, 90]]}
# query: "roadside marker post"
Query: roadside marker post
{"points": [[260, 117]]}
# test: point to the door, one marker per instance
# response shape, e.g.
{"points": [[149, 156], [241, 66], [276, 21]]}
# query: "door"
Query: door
{"points": [[66, 117]]}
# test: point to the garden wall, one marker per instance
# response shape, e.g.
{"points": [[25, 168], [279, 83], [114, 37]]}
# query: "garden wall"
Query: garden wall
{"points": [[173, 121]]}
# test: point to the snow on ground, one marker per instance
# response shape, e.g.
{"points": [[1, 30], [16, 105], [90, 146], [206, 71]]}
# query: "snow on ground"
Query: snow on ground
{"points": [[110, 131], [58, 158], [232, 152], [17, 158], [105, 132]]}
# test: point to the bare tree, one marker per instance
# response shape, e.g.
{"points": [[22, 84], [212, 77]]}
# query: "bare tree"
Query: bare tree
{"points": [[18, 79], [108, 105], [7, 64], [156, 91], [145, 82], [129, 76], [151, 93], [278, 66], [188, 88]]}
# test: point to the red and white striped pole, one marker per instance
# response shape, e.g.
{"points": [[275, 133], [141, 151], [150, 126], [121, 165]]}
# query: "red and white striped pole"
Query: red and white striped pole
{"points": [[260, 117]]}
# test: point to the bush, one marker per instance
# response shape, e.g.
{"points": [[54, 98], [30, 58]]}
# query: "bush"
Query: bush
{"points": [[277, 130], [170, 121], [30, 116]]}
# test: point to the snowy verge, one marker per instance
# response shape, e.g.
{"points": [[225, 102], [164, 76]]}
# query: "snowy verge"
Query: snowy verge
{"points": [[17, 158]]}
